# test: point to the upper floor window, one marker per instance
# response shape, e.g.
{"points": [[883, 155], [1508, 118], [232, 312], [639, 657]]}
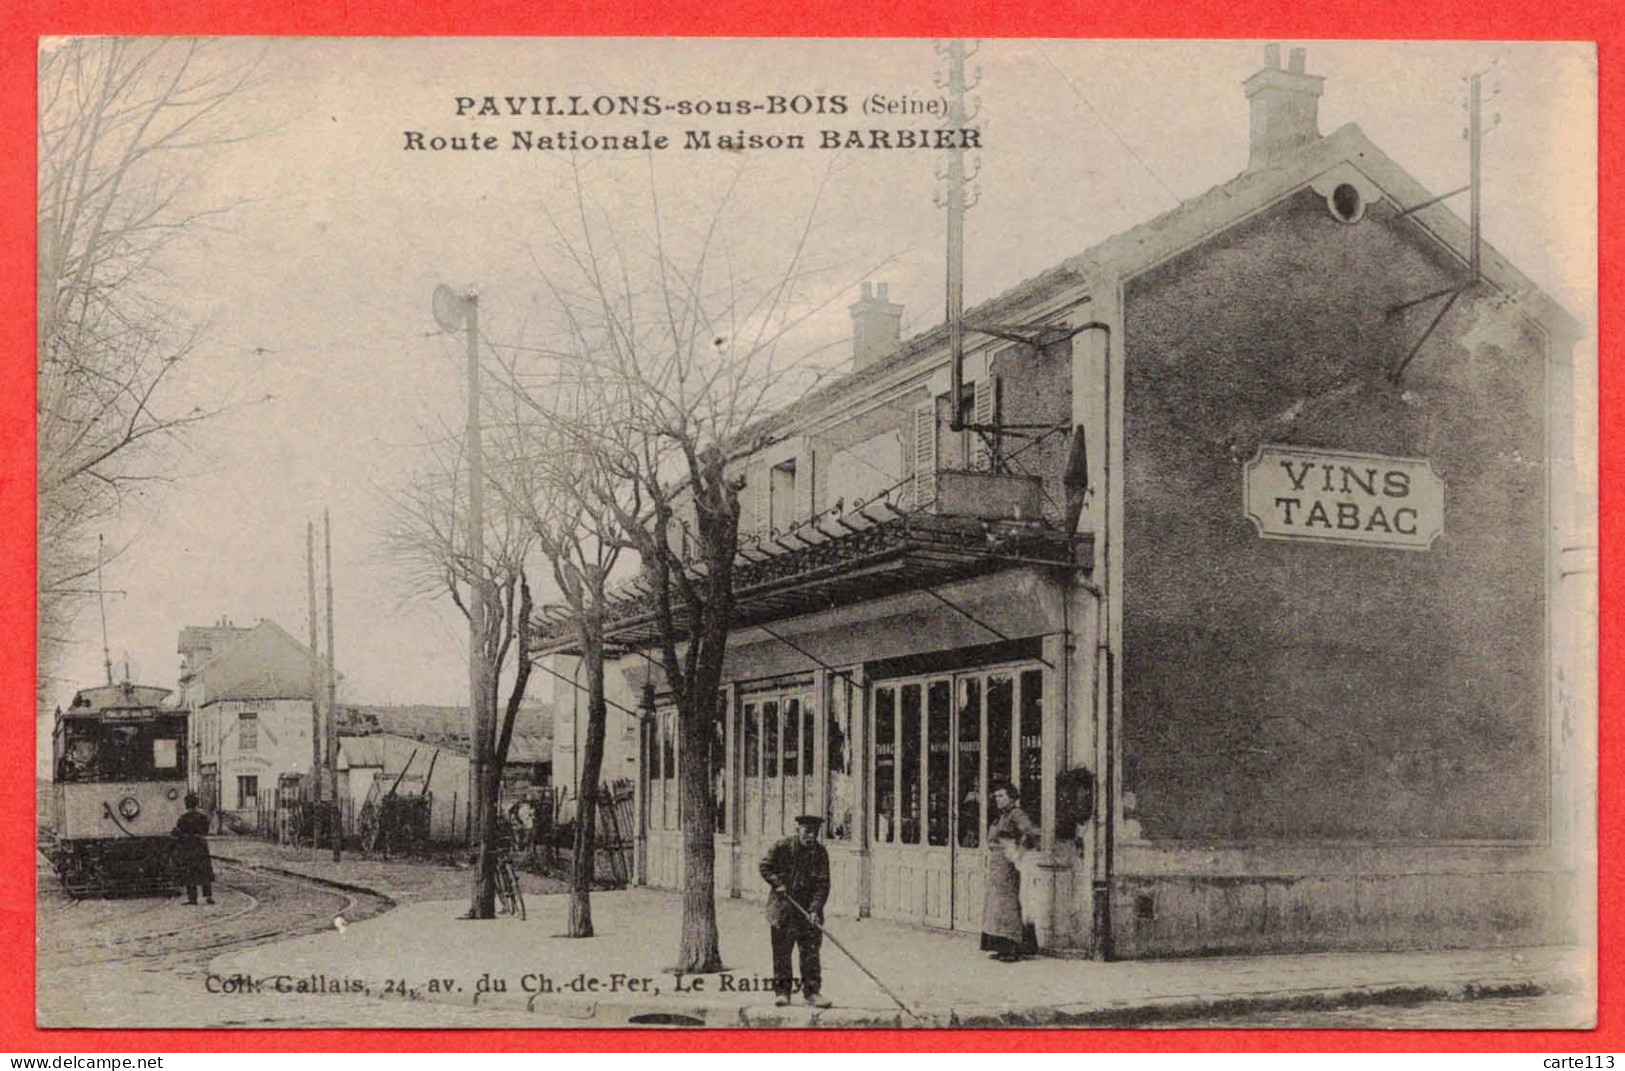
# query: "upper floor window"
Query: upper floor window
{"points": [[782, 495], [248, 731]]}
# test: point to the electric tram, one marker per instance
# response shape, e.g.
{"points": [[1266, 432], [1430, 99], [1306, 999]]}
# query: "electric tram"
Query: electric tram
{"points": [[119, 785]]}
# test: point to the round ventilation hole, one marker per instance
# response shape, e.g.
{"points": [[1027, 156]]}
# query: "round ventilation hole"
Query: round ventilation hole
{"points": [[1346, 203]]}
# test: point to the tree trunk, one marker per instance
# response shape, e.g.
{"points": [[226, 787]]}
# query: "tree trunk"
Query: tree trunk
{"points": [[700, 951], [592, 762]]}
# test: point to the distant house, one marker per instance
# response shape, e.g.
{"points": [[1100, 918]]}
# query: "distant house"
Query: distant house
{"points": [[248, 691], [370, 767], [530, 752], [563, 692]]}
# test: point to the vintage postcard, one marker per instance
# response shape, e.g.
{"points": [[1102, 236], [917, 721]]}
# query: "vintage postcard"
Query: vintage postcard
{"points": [[816, 533]]}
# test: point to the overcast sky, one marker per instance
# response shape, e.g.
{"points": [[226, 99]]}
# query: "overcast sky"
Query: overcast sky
{"points": [[317, 288]]}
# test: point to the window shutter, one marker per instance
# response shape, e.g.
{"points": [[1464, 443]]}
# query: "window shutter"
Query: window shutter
{"points": [[804, 482], [987, 393], [925, 455], [761, 492]]}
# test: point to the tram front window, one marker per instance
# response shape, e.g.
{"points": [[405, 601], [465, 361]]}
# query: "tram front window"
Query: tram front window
{"points": [[137, 753], [78, 759]]}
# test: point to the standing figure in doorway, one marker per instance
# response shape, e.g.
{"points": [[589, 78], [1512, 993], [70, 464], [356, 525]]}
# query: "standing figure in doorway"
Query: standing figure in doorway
{"points": [[1012, 833], [192, 864], [797, 868]]}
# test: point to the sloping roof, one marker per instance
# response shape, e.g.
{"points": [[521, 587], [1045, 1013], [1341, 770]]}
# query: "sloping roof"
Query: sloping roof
{"points": [[1180, 228], [212, 638], [121, 696], [529, 748], [448, 725], [266, 663]]}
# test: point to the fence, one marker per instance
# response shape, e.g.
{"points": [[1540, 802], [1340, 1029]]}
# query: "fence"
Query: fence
{"points": [[553, 842], [289, 816]]}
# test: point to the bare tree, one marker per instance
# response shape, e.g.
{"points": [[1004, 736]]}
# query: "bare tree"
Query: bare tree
{"points": [[427, 538], [551, 477], [684, 356], [122, 124]]}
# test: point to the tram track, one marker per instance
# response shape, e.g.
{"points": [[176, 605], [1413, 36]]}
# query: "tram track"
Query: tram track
{"points": [[279, 907]]}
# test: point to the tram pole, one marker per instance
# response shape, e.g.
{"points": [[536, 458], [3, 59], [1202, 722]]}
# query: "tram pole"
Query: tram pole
{"points": [[315, 687], [332, 697]]}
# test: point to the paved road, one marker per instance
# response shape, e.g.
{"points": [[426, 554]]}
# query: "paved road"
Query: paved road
{"points": [[144, 962]]}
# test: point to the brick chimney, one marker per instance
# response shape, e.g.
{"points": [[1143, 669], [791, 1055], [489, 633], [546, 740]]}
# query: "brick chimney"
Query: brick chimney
{"points": [[877, 326], [1285, 108]]}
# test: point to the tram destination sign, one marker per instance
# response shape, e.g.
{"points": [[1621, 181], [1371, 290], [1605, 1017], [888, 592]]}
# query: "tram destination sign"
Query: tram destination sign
{"points": [[1324, 496]]}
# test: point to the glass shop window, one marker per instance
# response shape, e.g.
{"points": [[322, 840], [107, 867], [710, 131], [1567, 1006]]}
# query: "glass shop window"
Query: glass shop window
{"points": [[751, 815], [885, 765], [1001, 702], [938, 758], [908, 767], [810, 803], [1032, 744], [772, 793], [967, 791], [843, 789]]}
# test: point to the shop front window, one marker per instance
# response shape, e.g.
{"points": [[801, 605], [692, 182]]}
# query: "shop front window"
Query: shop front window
{"points": [[967, 789], [885, 765], [908, 766], [843, 792], [1031, 756], [751, 818], [1001, 703], [938, 756], [772, 791]]}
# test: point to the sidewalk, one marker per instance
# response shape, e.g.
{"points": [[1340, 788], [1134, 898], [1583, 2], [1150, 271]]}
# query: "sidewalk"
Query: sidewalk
{"points": [[401, 880], [619, 977]]}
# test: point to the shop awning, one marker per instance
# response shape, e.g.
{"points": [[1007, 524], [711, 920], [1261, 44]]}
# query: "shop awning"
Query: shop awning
{"points": [[905, 553]]}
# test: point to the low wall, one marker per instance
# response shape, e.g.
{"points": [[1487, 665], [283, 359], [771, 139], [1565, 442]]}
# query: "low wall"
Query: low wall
{"points": [[1191, 902]]}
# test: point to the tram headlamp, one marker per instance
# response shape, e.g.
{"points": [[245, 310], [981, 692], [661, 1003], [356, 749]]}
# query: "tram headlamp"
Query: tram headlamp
{"points": [[173, 794], [129, 807]]}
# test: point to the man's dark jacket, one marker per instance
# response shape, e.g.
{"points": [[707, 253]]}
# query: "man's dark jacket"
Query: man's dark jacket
{"points": [[802, 870], [191, 858]]}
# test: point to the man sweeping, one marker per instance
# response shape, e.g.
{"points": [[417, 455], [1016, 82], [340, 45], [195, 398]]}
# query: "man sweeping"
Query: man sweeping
{"points": [[797, 868]]}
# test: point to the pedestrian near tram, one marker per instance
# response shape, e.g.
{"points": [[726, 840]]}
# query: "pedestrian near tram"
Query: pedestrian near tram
{"points": [[797, 868], [1004, 934], [193, 866]]}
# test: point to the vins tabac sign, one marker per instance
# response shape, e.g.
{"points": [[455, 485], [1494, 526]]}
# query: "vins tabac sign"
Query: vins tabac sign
{"points": [[1294, 492]]}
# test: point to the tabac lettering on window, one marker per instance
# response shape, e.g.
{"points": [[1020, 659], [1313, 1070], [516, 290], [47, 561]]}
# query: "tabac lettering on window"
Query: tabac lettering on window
{"points": [[1298, 493]]}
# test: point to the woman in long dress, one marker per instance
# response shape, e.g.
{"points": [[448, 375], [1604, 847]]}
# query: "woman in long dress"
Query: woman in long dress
{"points": [[1012, 832]]}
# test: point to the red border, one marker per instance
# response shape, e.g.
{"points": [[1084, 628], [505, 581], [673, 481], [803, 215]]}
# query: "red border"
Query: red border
{"points": [[1466, 19]]}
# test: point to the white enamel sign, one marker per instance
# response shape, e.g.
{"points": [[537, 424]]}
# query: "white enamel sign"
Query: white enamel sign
{"points": [[1292, 492]]}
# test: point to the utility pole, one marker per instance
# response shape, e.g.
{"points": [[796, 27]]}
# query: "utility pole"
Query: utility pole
{"points": [[315, 682], [101, 597], [1475, 143], [480, 767], [956, 228], [952, 197], [332, 697]]}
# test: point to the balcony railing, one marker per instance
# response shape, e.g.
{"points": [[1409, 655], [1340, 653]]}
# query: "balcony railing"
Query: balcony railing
{"points": [[976, 523]]}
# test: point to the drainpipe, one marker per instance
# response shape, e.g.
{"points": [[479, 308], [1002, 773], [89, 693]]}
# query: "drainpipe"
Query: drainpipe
{"points": [[1106, 699]]}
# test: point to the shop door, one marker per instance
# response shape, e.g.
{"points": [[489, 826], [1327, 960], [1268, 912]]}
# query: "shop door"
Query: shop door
{"points": [[940, 744]]}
